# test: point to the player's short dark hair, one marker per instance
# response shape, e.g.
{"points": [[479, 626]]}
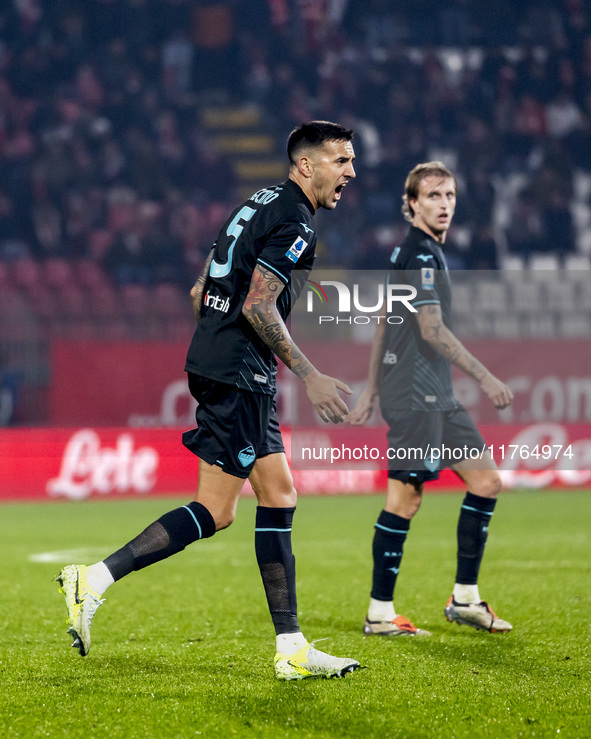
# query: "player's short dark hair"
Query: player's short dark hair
{"points": [[315, 133], [416, 174]]}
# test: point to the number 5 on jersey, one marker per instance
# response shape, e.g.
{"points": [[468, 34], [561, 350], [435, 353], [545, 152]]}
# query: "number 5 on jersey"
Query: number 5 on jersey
{"points": [[234, 229]]}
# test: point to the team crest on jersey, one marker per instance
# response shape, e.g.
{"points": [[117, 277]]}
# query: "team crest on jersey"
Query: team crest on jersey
{"points": [[427, 278], [246, 456], [296, 250]]}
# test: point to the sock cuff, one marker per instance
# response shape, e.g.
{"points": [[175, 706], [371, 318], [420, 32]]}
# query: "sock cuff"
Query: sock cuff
{"points": [[478, 503], [203, 519], [274, 518], [392, 523]]}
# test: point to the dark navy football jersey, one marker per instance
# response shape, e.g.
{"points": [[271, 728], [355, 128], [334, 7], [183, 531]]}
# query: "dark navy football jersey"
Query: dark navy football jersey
{"points": [[413, 375], [274, 228]]}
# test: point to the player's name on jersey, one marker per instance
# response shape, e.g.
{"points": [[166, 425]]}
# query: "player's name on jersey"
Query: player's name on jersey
{"points": [[266, 195]]}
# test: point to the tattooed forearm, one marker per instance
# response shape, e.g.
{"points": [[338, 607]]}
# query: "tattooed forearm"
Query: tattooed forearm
{"points": [[456, 353], [443, 341], [260, 309], [199, 286]]}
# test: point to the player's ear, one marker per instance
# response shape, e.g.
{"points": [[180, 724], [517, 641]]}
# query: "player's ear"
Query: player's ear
{"points": [[305, 165]]}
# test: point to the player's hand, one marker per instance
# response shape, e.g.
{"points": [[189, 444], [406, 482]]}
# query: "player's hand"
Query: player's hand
{"points": [[323, 393], [497, 391], [363, 408]]}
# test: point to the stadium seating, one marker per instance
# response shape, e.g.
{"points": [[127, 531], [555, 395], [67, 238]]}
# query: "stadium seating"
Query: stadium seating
{"points": [[95, 161]]}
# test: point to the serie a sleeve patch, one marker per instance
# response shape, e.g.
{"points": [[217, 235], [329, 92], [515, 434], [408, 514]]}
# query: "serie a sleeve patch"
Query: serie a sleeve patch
{"points": [[296, 250], [427, 278]]}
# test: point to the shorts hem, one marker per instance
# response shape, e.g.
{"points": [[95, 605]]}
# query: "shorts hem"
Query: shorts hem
{"points": [[420, 476], [241, 474], [267, 452]]}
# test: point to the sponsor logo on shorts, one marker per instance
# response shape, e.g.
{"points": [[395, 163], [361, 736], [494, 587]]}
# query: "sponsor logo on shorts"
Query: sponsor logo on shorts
{"points": [[246, 456], [260, 378], [296, 250], [430, 399]]}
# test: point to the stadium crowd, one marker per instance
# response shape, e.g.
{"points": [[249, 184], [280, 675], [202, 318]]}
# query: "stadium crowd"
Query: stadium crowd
{"points": [[102, 155]]}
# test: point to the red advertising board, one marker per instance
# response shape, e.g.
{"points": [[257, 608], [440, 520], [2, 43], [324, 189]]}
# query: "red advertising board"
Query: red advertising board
{"points": [[142, 384], [118, 409], [78, 463], [88, 462], [119, 383]]}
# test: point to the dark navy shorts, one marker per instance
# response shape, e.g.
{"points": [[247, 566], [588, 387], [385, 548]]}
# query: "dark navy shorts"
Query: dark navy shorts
{"points": [[421, 443], [234, 427]]}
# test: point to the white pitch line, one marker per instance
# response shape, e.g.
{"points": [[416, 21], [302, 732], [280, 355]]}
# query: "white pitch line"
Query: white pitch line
{"points": [[70, 555]]}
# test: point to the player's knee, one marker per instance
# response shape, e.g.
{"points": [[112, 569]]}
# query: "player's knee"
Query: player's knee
{"points": [[275, 493], [222, 512], [489, 487], [280, 497], [414, 503], [291, 498], [404, 498], [223, 519]]}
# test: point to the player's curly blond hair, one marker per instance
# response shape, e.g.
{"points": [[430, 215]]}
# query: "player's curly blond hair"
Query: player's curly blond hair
{"points": [[411, 186]]}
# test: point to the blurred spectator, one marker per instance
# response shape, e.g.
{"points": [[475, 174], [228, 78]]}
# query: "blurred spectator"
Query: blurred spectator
{"points": [[526, 233], [143, 253], [177, 62], [47, 228], [558, 223], [563, 115], [8, 223], [482, 251]]}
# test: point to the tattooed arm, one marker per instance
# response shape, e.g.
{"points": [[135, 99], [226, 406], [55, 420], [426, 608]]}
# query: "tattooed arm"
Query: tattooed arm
{"points": [[366, 401], [198, 287], [260, 310], [445, 343]]}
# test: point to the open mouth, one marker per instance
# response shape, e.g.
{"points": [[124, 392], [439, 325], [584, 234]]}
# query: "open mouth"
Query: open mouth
{"points": [[338, 190]]}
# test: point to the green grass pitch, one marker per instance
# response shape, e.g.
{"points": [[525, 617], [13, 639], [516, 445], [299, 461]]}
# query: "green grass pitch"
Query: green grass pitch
{"points": [[185, 648]]}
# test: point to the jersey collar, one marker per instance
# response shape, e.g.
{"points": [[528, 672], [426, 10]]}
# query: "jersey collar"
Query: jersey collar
{"points": [[418, 233], [297, 190]]}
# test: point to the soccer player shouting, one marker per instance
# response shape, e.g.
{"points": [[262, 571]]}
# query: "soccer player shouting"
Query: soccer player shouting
{"points": [[410, 373], [240, 302]]}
